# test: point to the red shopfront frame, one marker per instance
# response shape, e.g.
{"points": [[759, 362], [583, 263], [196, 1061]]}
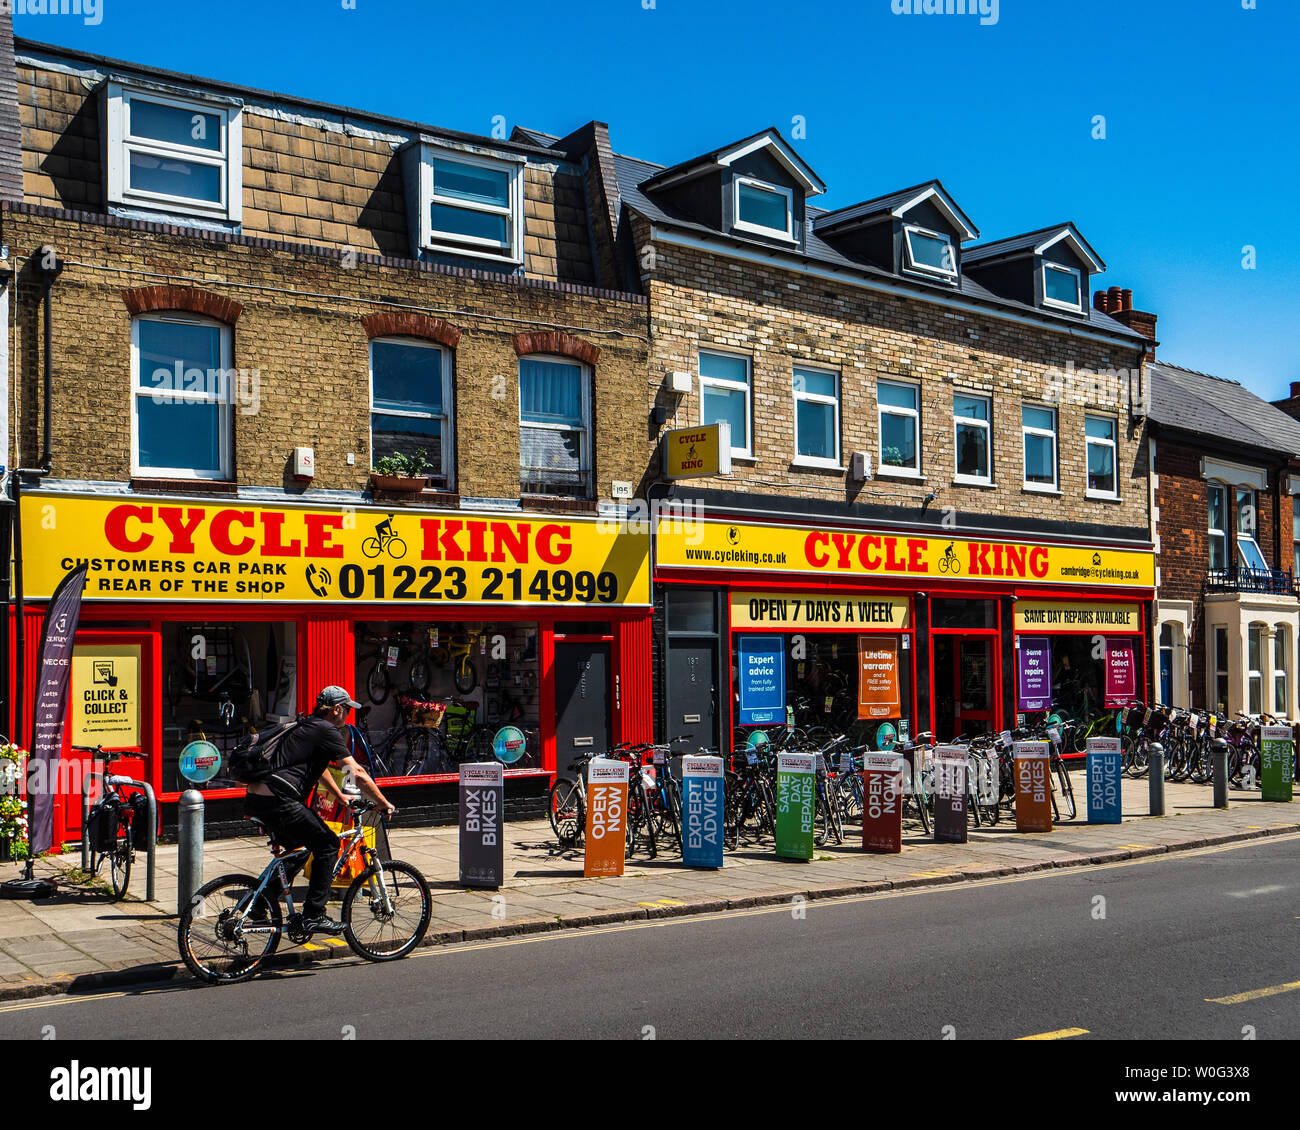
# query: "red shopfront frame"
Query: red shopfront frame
{"points": [[326, 650], [992, 635]]}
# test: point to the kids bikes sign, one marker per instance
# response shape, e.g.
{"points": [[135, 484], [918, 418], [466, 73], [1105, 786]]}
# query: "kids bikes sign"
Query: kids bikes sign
{"points": [[153, 549]]}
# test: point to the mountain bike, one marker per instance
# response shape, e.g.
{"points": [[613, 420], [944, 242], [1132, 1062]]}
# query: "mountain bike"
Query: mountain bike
{"points": [[566, 804], [233, 925], [391, 650], [109, 826]]}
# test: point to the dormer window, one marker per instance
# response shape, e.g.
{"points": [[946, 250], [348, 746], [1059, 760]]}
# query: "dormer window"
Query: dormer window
{"points": [[1062, 287], [174, 154], [929, 253], [763, 209], [471, 204]]}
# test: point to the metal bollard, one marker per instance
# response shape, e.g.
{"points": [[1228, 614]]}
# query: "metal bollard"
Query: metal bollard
{"points": [[1219, 748], [1156, 777], [189, 864]]}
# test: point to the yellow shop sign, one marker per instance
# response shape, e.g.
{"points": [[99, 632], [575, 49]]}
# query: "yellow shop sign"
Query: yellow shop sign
{"points": [[791, 611], [1050, 616], [692, 452], [865, 554], [145, 549]]}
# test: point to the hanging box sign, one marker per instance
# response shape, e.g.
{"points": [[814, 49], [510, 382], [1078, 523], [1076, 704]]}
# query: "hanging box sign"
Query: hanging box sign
{"points": [[702, 796], [482, 802], [1275, 755], [1105, 772], [1033, 789], [949, 794], [882, 803], [606, 836], [795, 805], [690, 453]]}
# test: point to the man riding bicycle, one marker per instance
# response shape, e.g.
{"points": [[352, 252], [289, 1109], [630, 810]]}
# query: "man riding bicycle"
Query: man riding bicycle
{"points": [[279, 803]]}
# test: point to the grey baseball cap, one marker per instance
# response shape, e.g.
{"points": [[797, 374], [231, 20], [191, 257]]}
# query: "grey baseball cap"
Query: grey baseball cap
{"points": [[336, 696]]}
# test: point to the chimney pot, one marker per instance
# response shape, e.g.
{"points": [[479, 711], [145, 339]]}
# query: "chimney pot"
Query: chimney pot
{"points": [[1295, 389], [1127, 299], [1113, 297], [1099, 301]]}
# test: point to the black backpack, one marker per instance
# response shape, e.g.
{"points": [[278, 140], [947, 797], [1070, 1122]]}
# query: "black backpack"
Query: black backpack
{"points": [[253, 762]]}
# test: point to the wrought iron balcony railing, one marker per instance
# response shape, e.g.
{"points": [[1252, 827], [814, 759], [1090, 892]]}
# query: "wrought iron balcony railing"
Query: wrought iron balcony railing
{"points": [[1240, 579]]}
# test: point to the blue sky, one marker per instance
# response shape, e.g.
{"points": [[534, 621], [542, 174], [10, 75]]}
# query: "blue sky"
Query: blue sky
{"points": [[1200, 157]]}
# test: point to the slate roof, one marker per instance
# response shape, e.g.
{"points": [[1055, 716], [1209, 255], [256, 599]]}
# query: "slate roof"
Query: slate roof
{"points": [[1220, 409], [882, 205], [633, 173], [1019, 243]]}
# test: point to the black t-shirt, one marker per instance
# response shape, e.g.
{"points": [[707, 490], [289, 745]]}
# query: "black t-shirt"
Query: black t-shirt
{"points": [[306, 752]]}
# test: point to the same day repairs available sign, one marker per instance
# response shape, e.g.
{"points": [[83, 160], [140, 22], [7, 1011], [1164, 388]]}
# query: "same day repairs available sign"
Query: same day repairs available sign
{"points": [[833, 552], [145, 549]]}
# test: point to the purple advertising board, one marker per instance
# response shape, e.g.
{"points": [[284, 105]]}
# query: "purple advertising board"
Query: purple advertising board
{"points": [[1035, 666], [51, 705]]}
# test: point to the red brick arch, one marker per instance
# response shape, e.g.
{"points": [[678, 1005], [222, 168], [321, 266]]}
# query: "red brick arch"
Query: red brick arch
{"points": [[411, 325], [146, 299], [566, 345]]}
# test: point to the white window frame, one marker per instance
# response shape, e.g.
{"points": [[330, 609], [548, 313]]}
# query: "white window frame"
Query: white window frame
{"points": [[584, 456], [1295, 536], [806, 397], [121, 144], [1056, 303], [1255, 675], [1282, 647], [1240, 536], [450, 243], [745, 452], [972, 422], [1221, 656], [224, 473], [1214, 532], [738, 224], [447, 473], [912, 266], [913, 414], [1025, 431], [1095, 441]]}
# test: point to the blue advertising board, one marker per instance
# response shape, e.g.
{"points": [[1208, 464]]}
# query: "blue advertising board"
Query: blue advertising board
{"points": [[702, 796], [1105, 771], [762, 680]]}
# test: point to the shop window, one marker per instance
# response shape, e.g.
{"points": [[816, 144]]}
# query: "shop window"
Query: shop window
{"points": [[1078, 677], [971, 423], [1254, 668], [1221, 671], [435, 695], [174, 154], [817, 417], [1248, 551], [554, 427], [1218, 535], [1099, 432], [1039, 428], [724, 396], [1281, 665], [946, 613], [181, 410], [900, 425], [410, 404], [692, 610], [222, 681]]}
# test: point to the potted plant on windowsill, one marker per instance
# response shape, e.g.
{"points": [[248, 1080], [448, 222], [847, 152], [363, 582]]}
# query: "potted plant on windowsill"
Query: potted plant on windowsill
{"points": [[404, 473]]}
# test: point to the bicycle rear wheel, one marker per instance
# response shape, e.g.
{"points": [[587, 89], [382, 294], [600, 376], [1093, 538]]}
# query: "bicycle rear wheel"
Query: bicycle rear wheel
{"points": [[386, 911], [377, 684], [1067, 789], [119, 863], [214, 943], [565, 808]]}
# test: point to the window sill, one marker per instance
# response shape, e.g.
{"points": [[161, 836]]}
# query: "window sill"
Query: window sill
{"points": [[980, 484], [810, 464], [740, 458], [184, 486], [1098, 496], [900, 473], [1035, 488]]}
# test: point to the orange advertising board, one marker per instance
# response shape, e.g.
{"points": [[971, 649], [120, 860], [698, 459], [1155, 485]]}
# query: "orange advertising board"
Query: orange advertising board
{"points": [[606, 831], [878, 693], [1033, 788]]}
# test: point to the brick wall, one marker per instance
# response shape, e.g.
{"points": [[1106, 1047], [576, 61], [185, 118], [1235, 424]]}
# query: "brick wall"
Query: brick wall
{"points": [[780, 319], [323, 178], [301, 327]]}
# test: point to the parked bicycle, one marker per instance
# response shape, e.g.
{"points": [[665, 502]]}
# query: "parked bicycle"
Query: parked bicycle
{"points": [[111, 823], [233, 925]]}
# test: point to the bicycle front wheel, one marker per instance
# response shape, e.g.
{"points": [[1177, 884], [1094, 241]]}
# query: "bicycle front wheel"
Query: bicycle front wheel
{"points": [[564, 807], [214, 933], [466, 677], [386, 911], [119, 864], [377, 684]]}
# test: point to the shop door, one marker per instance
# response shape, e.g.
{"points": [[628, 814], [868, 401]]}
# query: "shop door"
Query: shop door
{"points": [[974, 687], [110, 704], [692, 695], [581, 701]]}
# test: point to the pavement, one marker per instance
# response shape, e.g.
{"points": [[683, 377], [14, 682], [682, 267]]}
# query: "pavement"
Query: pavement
{"points": [[80, 940]]}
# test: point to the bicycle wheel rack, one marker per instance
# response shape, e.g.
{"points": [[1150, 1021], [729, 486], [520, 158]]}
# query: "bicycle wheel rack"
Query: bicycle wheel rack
{"points": [[151, 834]]}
